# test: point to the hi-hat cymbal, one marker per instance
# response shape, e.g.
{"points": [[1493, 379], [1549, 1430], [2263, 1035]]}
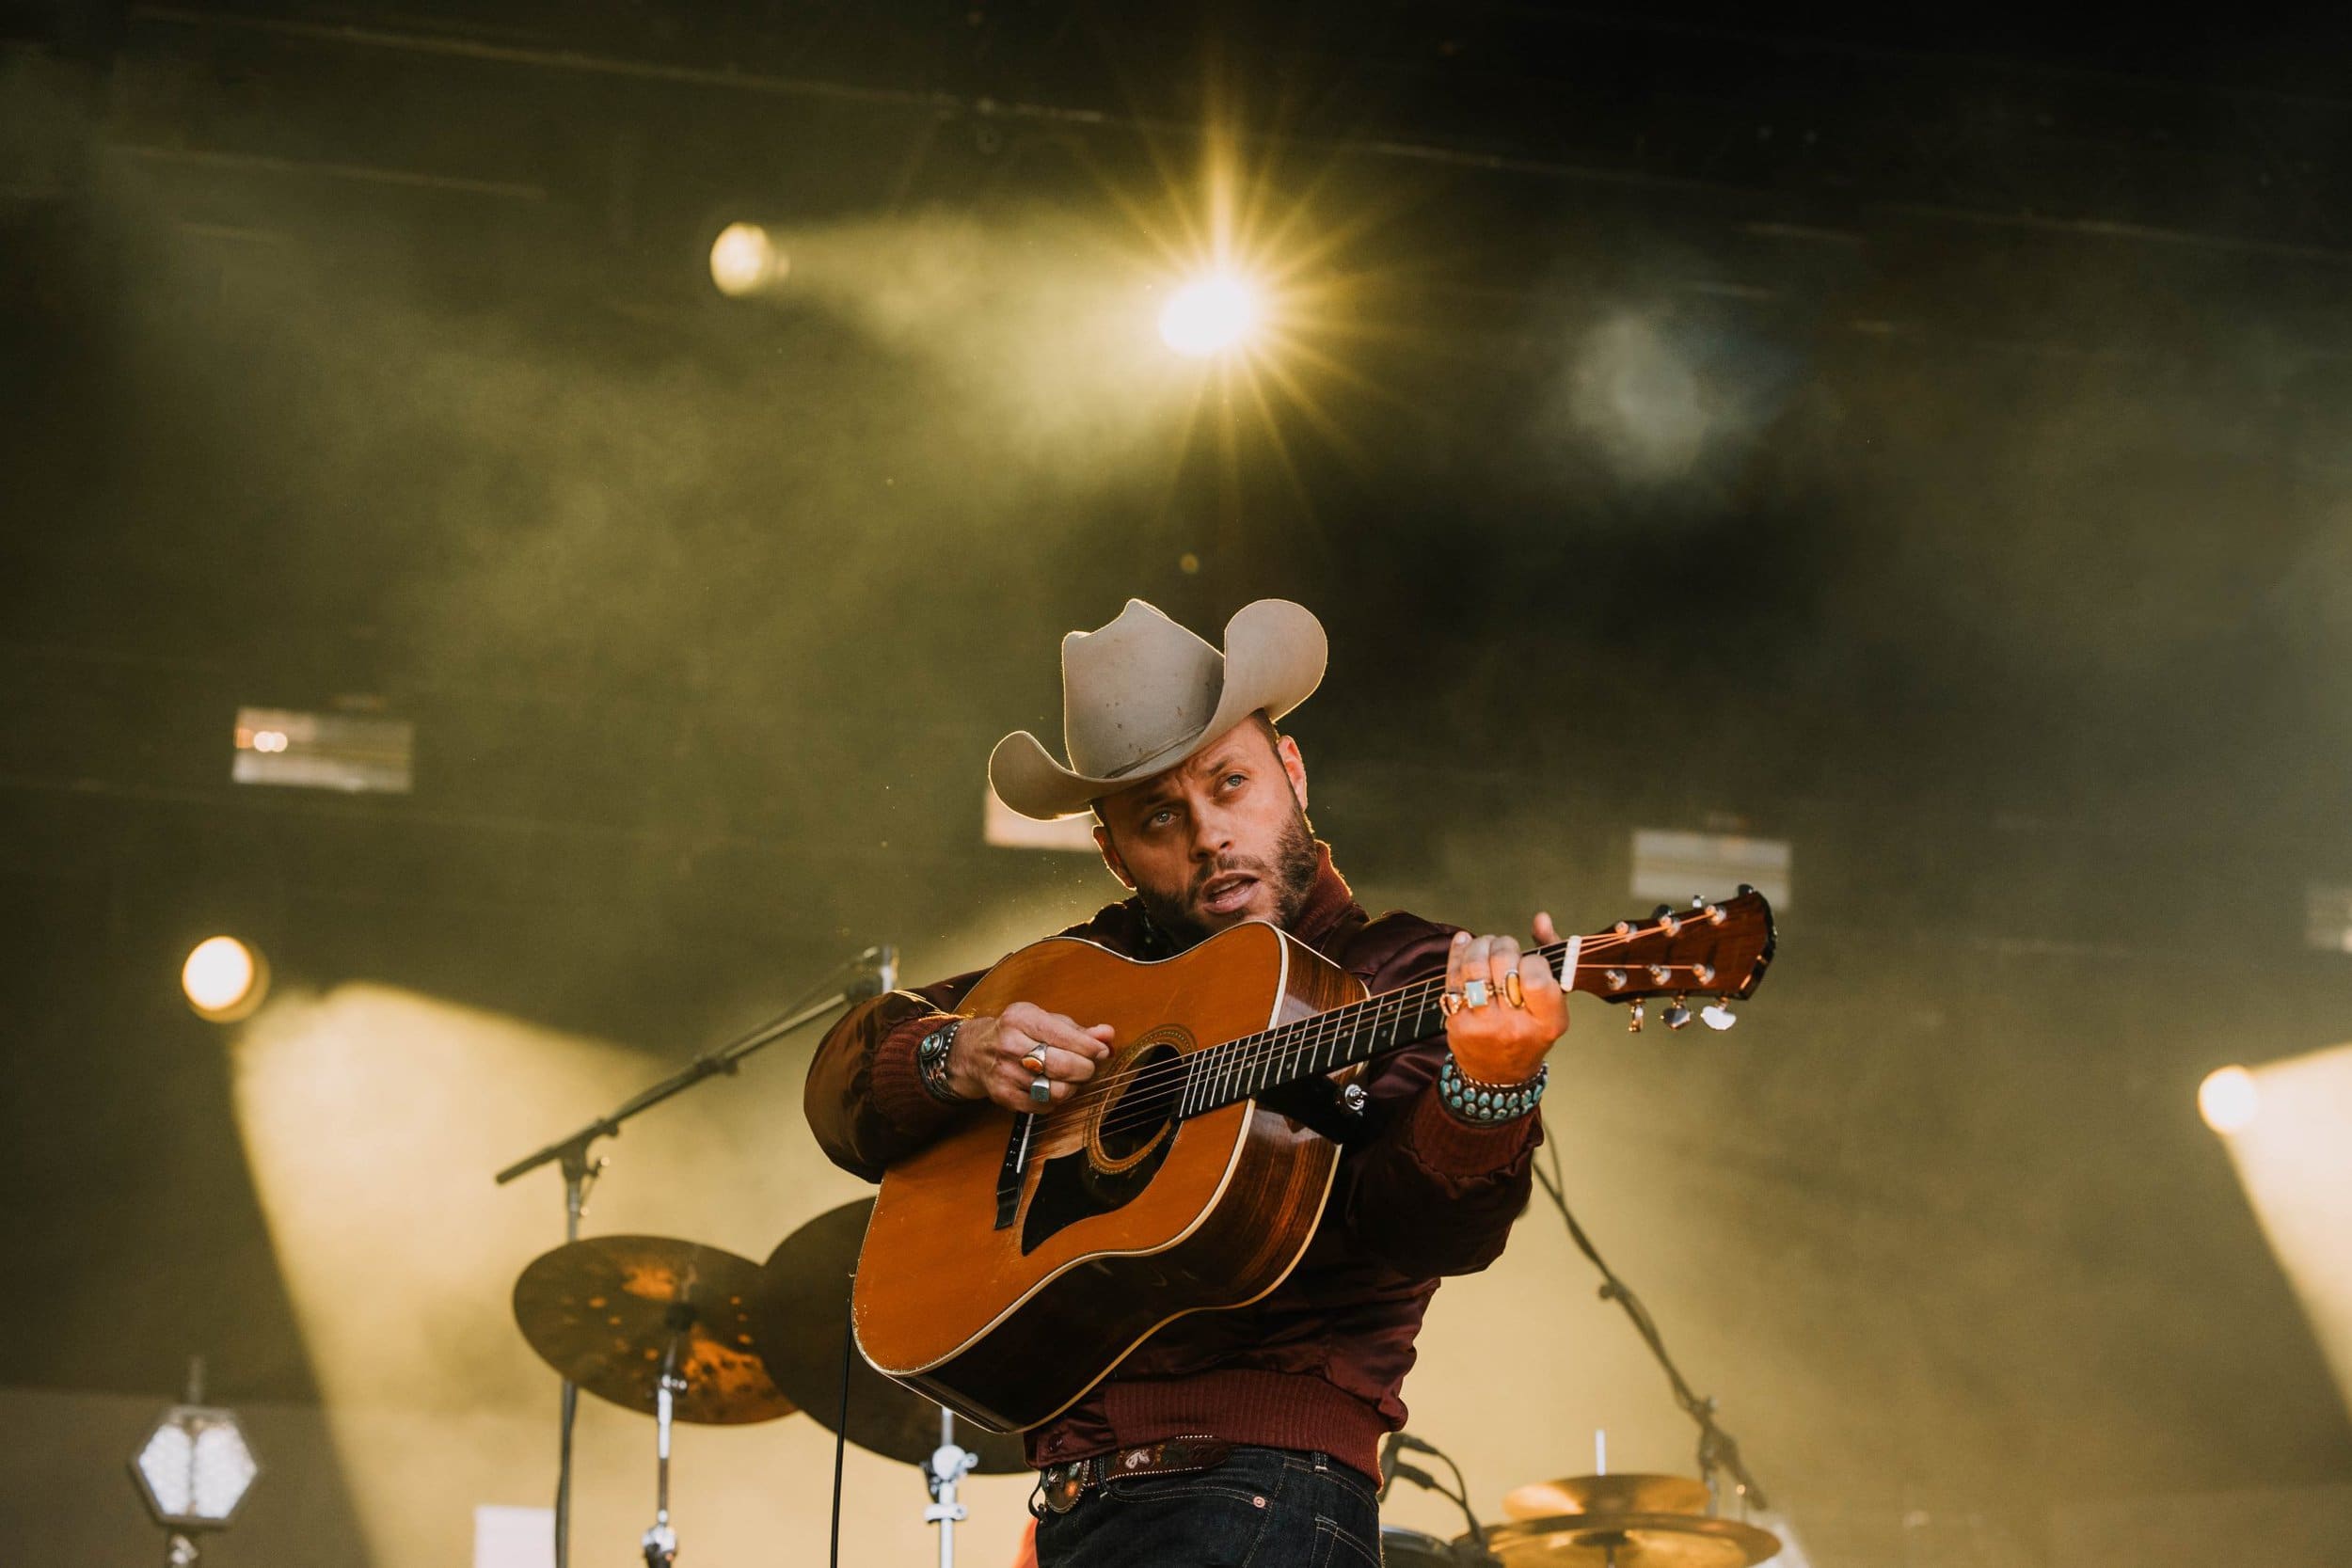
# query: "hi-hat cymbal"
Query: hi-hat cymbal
{"points": [[1630, 1493], [611, 1313], [1630, 1540], [800, 1315]]}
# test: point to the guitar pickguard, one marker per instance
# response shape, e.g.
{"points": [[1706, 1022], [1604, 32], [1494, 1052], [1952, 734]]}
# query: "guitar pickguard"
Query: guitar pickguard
{"points": [[1070, 1189], [1127, 1138]]}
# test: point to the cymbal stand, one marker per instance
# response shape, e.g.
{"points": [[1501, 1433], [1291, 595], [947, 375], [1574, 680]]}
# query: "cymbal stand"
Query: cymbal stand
{"points": [[570, 1155], [661, 1541], [948, 1464]]}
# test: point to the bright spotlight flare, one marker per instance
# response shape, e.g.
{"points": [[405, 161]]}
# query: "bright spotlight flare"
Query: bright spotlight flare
{"points": [[225, 981], [1211, 315], [745, 258], [2227, 1100]]}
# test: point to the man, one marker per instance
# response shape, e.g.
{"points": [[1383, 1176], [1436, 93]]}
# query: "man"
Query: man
{"points": [[1249, 1435]]}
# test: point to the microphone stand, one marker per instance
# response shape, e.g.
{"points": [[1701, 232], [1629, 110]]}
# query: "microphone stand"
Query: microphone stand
{"points": [[1718, 1449], [570, 1154]]}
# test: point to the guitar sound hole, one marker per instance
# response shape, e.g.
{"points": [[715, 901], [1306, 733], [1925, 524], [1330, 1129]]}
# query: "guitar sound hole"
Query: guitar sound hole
{"points": [[1135, 1117]]}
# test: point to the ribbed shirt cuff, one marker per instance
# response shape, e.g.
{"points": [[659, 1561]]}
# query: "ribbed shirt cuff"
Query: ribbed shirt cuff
{"points": [[1448, 1145], [897, 1088]]}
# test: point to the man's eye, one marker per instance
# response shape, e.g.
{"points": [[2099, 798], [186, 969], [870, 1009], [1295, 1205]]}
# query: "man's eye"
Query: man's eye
{"points": [[1236, 778], [1160, 818]]}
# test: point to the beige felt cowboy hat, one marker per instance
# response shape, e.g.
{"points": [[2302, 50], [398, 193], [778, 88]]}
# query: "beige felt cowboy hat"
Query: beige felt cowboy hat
{"points": [[1141, 694]]}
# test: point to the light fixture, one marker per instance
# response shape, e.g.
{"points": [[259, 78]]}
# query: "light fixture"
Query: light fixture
{"points": [[1211, 315], [2227, 1100], [224, 979], [194, 1470], [355, 752], [745, 258]]}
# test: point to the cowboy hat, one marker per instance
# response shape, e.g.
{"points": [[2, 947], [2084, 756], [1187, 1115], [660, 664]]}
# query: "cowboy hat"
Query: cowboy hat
{"points": [[1142, 695]]}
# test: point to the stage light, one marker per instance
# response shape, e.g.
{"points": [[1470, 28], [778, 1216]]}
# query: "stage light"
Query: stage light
{"points": [[2297, 1165], [355, 752], [2227, 1100], [225, 981], [745, 258], [1210, 315], [194, 1469]]}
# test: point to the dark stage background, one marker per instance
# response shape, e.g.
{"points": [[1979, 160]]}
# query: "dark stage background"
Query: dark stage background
{"points": [[1932, 448]]}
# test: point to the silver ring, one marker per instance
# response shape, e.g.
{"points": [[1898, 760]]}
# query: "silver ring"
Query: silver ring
{"points": [[1041, 1090], [1474, 992]]}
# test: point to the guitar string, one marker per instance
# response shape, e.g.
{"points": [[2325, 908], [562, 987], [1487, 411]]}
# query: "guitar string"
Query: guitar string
{"points": [[1229, 1060], [1246, 1051], [1232, 1061], [1304, 1032]]}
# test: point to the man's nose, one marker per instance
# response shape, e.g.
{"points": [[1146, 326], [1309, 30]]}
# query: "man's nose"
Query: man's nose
{"points": [[1212, 835]]}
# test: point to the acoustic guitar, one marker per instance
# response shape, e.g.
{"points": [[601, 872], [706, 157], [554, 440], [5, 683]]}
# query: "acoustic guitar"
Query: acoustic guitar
{"points": [[1012, 1264]]}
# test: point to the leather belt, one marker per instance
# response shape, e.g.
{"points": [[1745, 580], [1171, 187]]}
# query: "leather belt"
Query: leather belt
{"points": [[1060, 1486]]}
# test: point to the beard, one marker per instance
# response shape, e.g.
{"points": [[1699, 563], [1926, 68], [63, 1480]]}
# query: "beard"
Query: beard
{"points": [[1291, 872]]}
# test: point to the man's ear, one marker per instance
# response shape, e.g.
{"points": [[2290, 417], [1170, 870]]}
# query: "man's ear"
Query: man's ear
{"points": [[1110, 857], [1295, 766]]}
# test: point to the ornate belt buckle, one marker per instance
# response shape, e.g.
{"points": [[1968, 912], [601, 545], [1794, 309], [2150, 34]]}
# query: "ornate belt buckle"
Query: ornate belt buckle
{"points": [[1059, 1486]]}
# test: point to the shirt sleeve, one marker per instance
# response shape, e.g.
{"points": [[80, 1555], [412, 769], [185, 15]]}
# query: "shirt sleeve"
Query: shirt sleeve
{"points": [[1428, 1193], [863, 1098]]}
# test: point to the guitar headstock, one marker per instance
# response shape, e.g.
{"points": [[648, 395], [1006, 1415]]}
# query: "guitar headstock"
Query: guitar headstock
{"points": [[1716, 950]]}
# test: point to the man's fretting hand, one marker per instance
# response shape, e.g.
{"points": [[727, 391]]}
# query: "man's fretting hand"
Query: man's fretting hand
{"points": [[990, 1058], [1500, 1043]]}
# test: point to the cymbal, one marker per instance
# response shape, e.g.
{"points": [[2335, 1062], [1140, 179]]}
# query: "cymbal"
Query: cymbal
{"points": [[609, 1312], [1630, 1493], [800, 1315], [1630, 1540]]}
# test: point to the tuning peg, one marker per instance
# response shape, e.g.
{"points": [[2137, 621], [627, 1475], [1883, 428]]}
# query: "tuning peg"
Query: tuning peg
{"points": [[1717, 1016], [1615, 978], [1634, 1016], [1658, 974], [1676, 1017]]}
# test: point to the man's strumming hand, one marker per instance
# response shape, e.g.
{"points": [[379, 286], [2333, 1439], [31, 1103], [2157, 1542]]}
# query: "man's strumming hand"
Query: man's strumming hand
{"points": [[1500, 1043], [990, 1058]]}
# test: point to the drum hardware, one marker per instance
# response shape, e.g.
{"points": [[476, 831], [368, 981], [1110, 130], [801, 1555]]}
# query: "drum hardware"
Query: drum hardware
{"points": [[1624, 1493], [1630, 1540], [661, 1541], [871, 973], [655, 1325], [1469, 1550], [800, 1319], [947, 1464]]}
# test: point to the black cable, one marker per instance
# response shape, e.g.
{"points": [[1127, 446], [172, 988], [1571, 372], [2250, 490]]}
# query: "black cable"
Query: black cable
{"points": [[1716, 1446], [1478, 1531], [841, 1424]]}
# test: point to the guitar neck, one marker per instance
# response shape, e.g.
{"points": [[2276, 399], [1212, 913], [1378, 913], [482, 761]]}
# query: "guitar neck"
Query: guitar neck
{"points": [[1718, 949]]}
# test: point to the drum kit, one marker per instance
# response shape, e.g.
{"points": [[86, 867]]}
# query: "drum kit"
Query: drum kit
{"points": [[688, 1332]]}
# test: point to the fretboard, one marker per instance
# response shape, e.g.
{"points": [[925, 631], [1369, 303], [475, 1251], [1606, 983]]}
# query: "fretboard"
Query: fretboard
{"points": [[1305, 1048]]}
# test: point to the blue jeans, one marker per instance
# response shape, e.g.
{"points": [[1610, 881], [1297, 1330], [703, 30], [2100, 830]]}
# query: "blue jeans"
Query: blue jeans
{"points": [[1262, 1508]]}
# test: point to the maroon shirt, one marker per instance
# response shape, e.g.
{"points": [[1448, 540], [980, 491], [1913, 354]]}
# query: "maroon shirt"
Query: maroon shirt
{"points": [[1317, 1362]]}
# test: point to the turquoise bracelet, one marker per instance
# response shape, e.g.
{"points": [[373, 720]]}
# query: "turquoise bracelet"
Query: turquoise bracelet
{"points": [[1486, 1104]]}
